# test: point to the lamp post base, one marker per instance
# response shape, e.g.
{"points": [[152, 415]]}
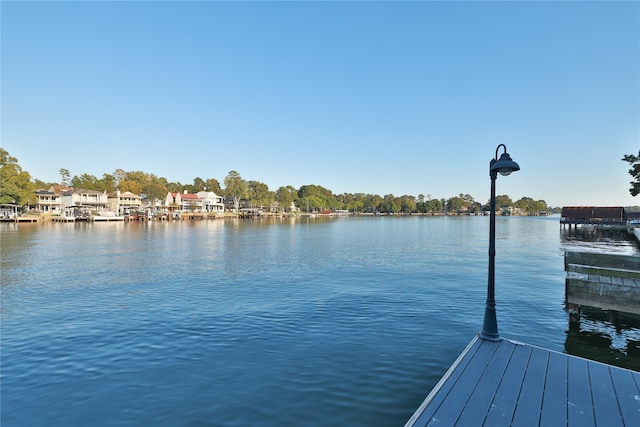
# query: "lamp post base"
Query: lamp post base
{"points": [[489, 337], [490, 326]]}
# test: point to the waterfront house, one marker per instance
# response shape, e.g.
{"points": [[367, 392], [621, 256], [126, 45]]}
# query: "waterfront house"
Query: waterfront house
{"points": [[95, 201], [152, 205], [230, 204], [189, 202], [123, 203], [172, 201], [183, 201], [49, 201], [210, 202]]}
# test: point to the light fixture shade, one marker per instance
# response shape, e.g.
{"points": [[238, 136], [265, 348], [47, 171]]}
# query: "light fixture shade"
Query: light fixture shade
{"points": [[504, 165]]}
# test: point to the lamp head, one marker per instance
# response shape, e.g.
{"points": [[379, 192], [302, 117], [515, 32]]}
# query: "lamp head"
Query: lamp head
{"points": [[504, 165]]}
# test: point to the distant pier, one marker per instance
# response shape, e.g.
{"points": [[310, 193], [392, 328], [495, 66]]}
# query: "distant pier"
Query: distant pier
{"points": [[27, 218], [107, 218], [62, 218], [592, 217]]}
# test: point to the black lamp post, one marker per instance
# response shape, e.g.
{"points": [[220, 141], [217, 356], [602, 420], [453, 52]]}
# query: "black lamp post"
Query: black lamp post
{"points": [[504, 165]]}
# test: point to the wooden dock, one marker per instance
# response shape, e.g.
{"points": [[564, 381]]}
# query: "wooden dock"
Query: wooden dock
{"points": [[606, 281], [107, 218], [62, 218], [507, 383], [26, 218]]}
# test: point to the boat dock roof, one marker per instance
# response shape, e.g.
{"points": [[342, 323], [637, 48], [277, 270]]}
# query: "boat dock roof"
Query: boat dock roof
{"points": [[504, 383]]}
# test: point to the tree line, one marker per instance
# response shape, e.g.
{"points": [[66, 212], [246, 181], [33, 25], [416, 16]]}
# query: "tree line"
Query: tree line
{"points": [[17, 187]]}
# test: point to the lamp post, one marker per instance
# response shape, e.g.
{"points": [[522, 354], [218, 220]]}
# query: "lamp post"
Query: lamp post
{"points": [[504, 166]]}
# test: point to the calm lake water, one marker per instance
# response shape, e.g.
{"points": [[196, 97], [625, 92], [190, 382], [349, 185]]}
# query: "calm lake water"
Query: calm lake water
{"points": [[347, 321]]}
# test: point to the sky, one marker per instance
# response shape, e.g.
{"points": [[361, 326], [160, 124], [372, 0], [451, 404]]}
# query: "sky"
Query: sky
{"points": [[402, 98]]}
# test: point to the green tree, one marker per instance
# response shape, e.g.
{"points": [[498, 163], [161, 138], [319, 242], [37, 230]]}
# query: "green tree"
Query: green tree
{"points": [[212, 184], [132, 186], [198, 185], [65, 177], [634, 161], [468, 200], [433, 205], [85, 181], [359, 203], [524, 204], [372, 203], [155, 188], [356, 206], [313, 203], [119, 175], [143, 183], [285, 196], [475, 207], [259, 194], [236, 188], [351, 202], [530, 206], [174, 187], [455, 204], [323, 197], [539, 206], [503, 201], [15, 184], [407, 203], [460, 203], [345, 200], [314, 190], [39, 184], [108, 183], [90, 182], [389, 204]]}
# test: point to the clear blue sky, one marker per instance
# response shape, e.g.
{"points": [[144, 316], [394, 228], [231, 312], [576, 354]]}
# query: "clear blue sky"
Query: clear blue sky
{"points": [[359, 97]]}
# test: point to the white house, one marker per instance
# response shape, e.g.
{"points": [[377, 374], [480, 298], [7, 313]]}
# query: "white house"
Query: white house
{"points": [[210, 201], [96, 201]]}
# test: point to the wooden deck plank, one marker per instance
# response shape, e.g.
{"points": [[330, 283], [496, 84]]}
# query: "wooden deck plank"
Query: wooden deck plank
{"points": [[508, 383], [554, 405], [628, 394], [605, 404], [530, 400], [450, 409], [480, 400], [506, 397], [580, 405], [433, 400]]}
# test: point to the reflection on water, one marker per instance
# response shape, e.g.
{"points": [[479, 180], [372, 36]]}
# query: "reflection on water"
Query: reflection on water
{"points": [[606, 336], [597, 240]]}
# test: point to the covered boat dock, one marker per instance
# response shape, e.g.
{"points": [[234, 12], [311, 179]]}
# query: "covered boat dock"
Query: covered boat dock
{"points": [[609, 217]]}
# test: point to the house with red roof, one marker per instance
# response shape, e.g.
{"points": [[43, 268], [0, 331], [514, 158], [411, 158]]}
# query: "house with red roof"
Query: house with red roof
{"points": [[183, 201]]}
